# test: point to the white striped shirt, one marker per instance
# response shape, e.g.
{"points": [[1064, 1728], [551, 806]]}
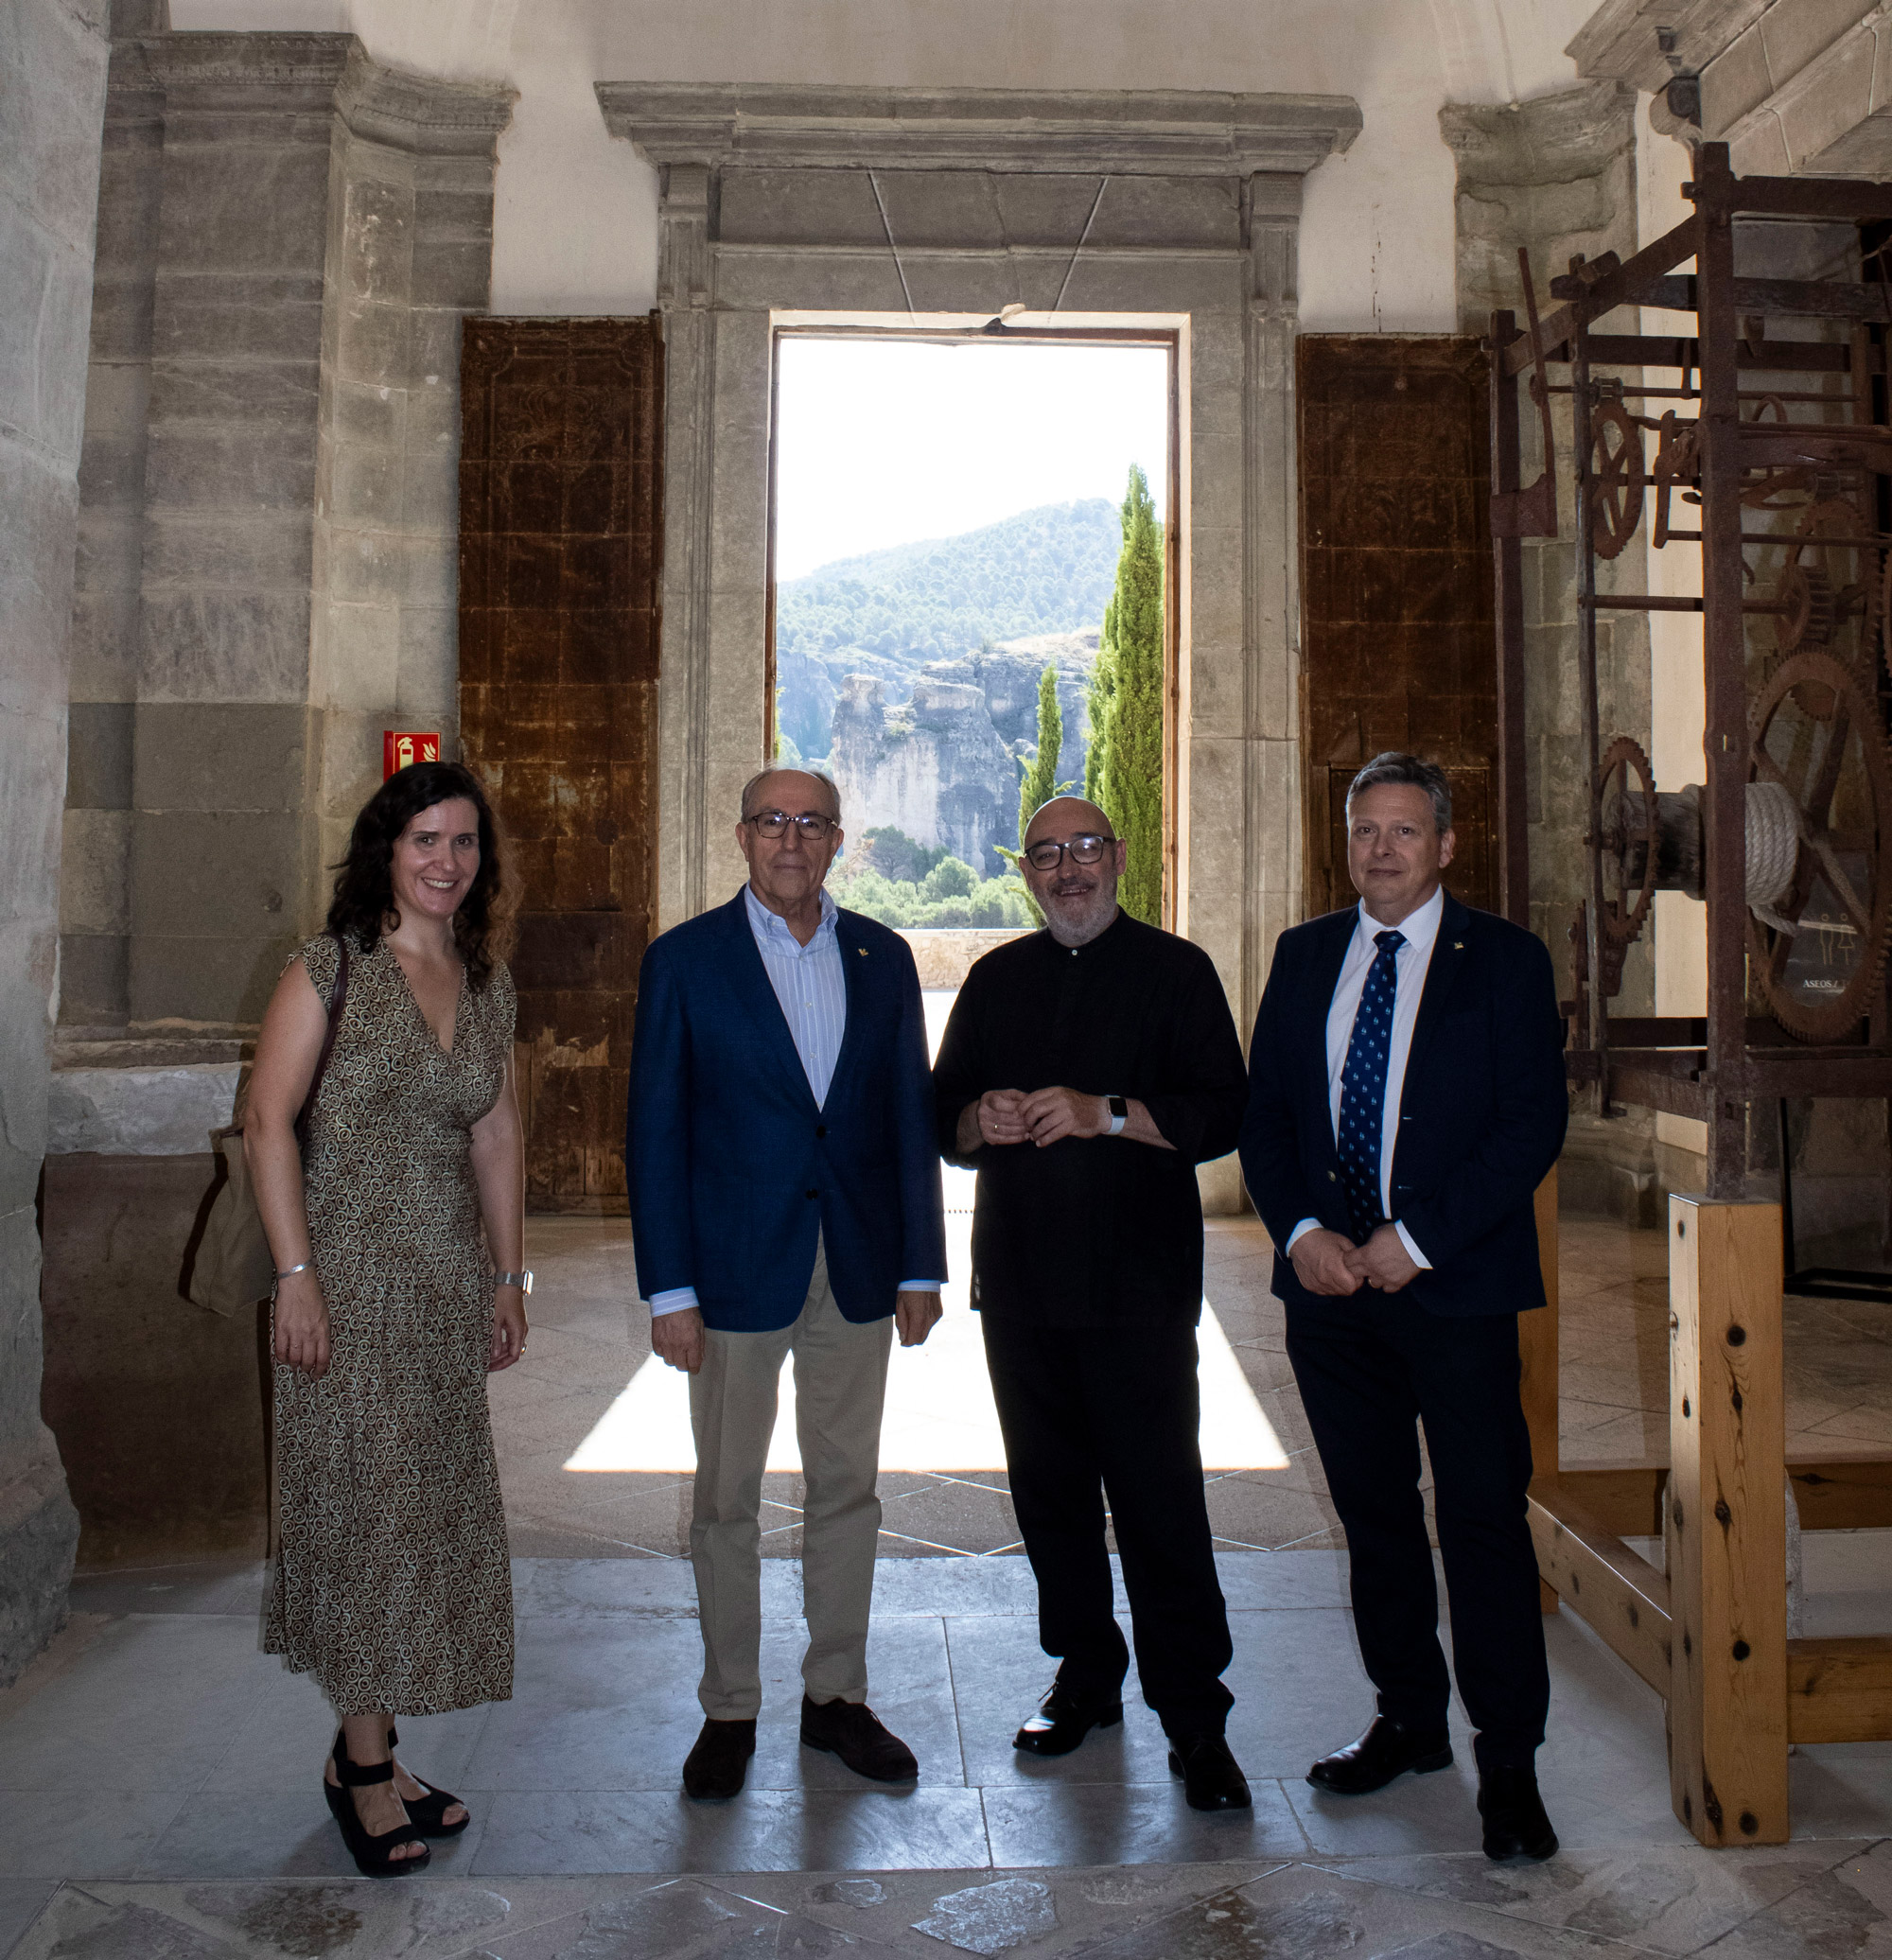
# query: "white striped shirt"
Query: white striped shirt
{"points": [[809, 983]]}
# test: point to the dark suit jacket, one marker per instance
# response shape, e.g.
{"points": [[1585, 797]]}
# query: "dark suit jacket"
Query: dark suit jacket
{"points": [[732, 1165], [1482, 1112]]}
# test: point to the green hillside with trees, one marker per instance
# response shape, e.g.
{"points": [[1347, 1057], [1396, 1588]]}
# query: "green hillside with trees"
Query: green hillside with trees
{"points": [[1046, 571]]}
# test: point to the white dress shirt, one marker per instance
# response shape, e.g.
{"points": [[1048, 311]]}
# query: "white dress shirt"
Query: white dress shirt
{"points": [[811, 986], [1410, 962]]}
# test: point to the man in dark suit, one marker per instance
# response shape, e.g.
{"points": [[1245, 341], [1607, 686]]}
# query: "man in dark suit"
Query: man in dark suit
{"points": [[785, 1198], [1405, 1099]]}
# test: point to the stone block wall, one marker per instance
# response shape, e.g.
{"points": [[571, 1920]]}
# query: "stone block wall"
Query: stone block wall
{"points": [[290, 235], [53, 55], [288, 238]]}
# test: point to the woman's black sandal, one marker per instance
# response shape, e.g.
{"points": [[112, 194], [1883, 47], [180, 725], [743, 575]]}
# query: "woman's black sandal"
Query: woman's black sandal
{"points": [[368, 1848], [426, 1812]]}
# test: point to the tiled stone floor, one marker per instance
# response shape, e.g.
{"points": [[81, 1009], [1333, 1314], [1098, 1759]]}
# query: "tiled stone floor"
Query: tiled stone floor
{"points": [[166, 1770], [588, 1343], [158, 1775]]}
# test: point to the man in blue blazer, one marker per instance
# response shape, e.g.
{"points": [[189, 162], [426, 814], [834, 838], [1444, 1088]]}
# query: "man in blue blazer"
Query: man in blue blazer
{"points": [[785, 1197], [1405, 1099]]}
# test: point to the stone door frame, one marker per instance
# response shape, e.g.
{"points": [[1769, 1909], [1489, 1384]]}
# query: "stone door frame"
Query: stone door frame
{"points": [[938, 208]]}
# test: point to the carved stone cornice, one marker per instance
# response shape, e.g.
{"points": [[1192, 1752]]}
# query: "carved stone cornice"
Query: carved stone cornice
{"points": [[1620, 40], [314, 73], [1166, 133]]}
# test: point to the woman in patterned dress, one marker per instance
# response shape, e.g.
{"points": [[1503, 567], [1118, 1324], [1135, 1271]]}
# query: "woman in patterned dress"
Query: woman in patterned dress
{"points": [[392, 1586]]}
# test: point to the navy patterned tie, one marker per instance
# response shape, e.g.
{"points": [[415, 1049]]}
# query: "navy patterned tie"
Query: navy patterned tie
{"points": [[1363, 1087]]}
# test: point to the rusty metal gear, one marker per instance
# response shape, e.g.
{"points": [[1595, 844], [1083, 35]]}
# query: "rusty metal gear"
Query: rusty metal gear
{"points": [[1817, 937], [1826, 583], [1626, 837], [1617, 476], [1812, 614], [1677, 461]]}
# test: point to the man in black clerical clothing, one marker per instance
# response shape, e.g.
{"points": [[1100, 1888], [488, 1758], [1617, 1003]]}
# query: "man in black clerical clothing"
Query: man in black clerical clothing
{"points": [[1085, 1072], [1407, 1099]]}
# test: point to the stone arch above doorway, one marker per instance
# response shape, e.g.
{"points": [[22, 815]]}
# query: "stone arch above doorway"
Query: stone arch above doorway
{"points": [[938, 207]]}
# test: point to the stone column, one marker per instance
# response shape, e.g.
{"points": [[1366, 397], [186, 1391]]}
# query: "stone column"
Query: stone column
{"points": [[53, 58], [684, 271], [311, 228], [290, 237], [1271, 638]]}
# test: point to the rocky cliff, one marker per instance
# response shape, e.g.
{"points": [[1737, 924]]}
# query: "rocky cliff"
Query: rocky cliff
{"points": [[933, 766]]}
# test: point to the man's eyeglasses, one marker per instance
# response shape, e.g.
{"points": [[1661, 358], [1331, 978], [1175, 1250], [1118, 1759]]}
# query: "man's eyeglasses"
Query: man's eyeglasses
{"points": [[774, 823], [1084, 851]]}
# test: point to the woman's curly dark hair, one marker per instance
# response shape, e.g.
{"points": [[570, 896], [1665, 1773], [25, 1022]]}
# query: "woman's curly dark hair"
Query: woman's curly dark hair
{"points": [[364, 891]]}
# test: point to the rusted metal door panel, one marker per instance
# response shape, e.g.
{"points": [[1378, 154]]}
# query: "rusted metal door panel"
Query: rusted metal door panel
{"points": [[1398, 633], [559, 546]]}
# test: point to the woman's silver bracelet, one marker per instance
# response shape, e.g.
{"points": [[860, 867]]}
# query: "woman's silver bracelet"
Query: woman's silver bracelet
{"points": [[523, 1281], [289, 1272]]}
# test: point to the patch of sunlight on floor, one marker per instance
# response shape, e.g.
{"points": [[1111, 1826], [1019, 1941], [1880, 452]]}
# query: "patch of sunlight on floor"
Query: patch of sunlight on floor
{"points": [[940, 1413]]}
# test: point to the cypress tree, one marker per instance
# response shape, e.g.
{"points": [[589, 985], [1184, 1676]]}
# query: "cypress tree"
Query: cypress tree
{"points": [[1103, 686], [1124, 769], [1040, 783]]}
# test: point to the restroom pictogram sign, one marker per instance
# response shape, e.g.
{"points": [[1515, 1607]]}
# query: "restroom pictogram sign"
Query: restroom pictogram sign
{"points": [[400, 746]]}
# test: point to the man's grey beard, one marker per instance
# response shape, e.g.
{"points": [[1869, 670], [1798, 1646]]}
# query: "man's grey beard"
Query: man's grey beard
{"points": [[1098, 918]]}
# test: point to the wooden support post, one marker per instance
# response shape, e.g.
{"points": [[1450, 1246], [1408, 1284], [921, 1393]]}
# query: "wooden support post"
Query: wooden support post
{"points": [[1726, 1523], [1537, 1351]]}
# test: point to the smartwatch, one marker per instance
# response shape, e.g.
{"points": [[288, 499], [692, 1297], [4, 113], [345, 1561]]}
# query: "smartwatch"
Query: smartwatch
{"points": [[1119, 1110]]}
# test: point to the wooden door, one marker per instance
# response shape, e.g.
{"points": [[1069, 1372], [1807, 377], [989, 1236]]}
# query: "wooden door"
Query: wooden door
{"points": [[1398, 642], [559, 547]]}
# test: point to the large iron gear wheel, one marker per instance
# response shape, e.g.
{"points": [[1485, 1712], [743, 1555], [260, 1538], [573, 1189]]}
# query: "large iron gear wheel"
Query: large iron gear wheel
{"points": [[1817, 957], [1617, 476], [1625, 828], [1824, 585]]}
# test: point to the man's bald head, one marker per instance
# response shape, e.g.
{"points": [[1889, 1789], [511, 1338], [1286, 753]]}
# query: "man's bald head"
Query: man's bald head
{"points": [[1077, 898], [1065, 817], [804, 788]]}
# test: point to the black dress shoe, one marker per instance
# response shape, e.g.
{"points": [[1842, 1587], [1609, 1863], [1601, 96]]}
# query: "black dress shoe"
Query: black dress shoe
{"points": [[1388, 1749], [1515, 1823], [854, 1732], [1212, 1778], [1064, 1718], [716, 1766]]}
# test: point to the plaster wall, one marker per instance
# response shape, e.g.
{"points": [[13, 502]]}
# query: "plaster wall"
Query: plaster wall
{"points": [[575, 223], [53, 57]]}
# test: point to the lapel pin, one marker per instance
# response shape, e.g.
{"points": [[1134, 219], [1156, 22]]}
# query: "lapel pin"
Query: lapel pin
{"points": [[862, 950], [1457, 945]]}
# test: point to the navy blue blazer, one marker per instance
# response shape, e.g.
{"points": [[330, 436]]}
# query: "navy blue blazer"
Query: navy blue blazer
{"points": [[732, 1167], [1482, 1112]]}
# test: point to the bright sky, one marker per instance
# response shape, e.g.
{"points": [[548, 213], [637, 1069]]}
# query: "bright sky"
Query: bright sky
{"points": [[887, 441]]}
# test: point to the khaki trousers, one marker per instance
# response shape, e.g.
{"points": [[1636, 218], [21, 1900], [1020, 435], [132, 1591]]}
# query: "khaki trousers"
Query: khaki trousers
{"points": [[840, 1386]]}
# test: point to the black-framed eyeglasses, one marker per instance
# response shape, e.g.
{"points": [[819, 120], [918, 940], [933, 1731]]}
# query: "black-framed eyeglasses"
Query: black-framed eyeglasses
{"points": [[774, 823], [1048, 855]]}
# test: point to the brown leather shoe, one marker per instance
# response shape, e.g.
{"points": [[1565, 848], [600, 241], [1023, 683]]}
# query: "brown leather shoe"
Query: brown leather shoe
{"points": [[854, 1732], [714, 1769]]}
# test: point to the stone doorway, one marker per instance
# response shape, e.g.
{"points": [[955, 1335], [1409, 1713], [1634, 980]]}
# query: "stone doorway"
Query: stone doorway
{"points": [[947, 525]]}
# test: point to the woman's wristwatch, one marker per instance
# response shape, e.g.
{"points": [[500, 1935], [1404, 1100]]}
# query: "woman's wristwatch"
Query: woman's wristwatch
{"points": [[523, 1281], [1119, 1110]]}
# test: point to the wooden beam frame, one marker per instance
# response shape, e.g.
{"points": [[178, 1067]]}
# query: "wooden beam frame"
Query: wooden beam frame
{"points": [[1615, 1590], [1840, 1690]]}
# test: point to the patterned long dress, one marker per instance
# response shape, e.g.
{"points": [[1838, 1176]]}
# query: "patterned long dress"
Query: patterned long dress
{"points": [[392, 1586]]}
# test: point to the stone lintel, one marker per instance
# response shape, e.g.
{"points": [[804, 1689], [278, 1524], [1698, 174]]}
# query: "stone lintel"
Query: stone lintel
{"points": [[1167, 131], [277, 73]]}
